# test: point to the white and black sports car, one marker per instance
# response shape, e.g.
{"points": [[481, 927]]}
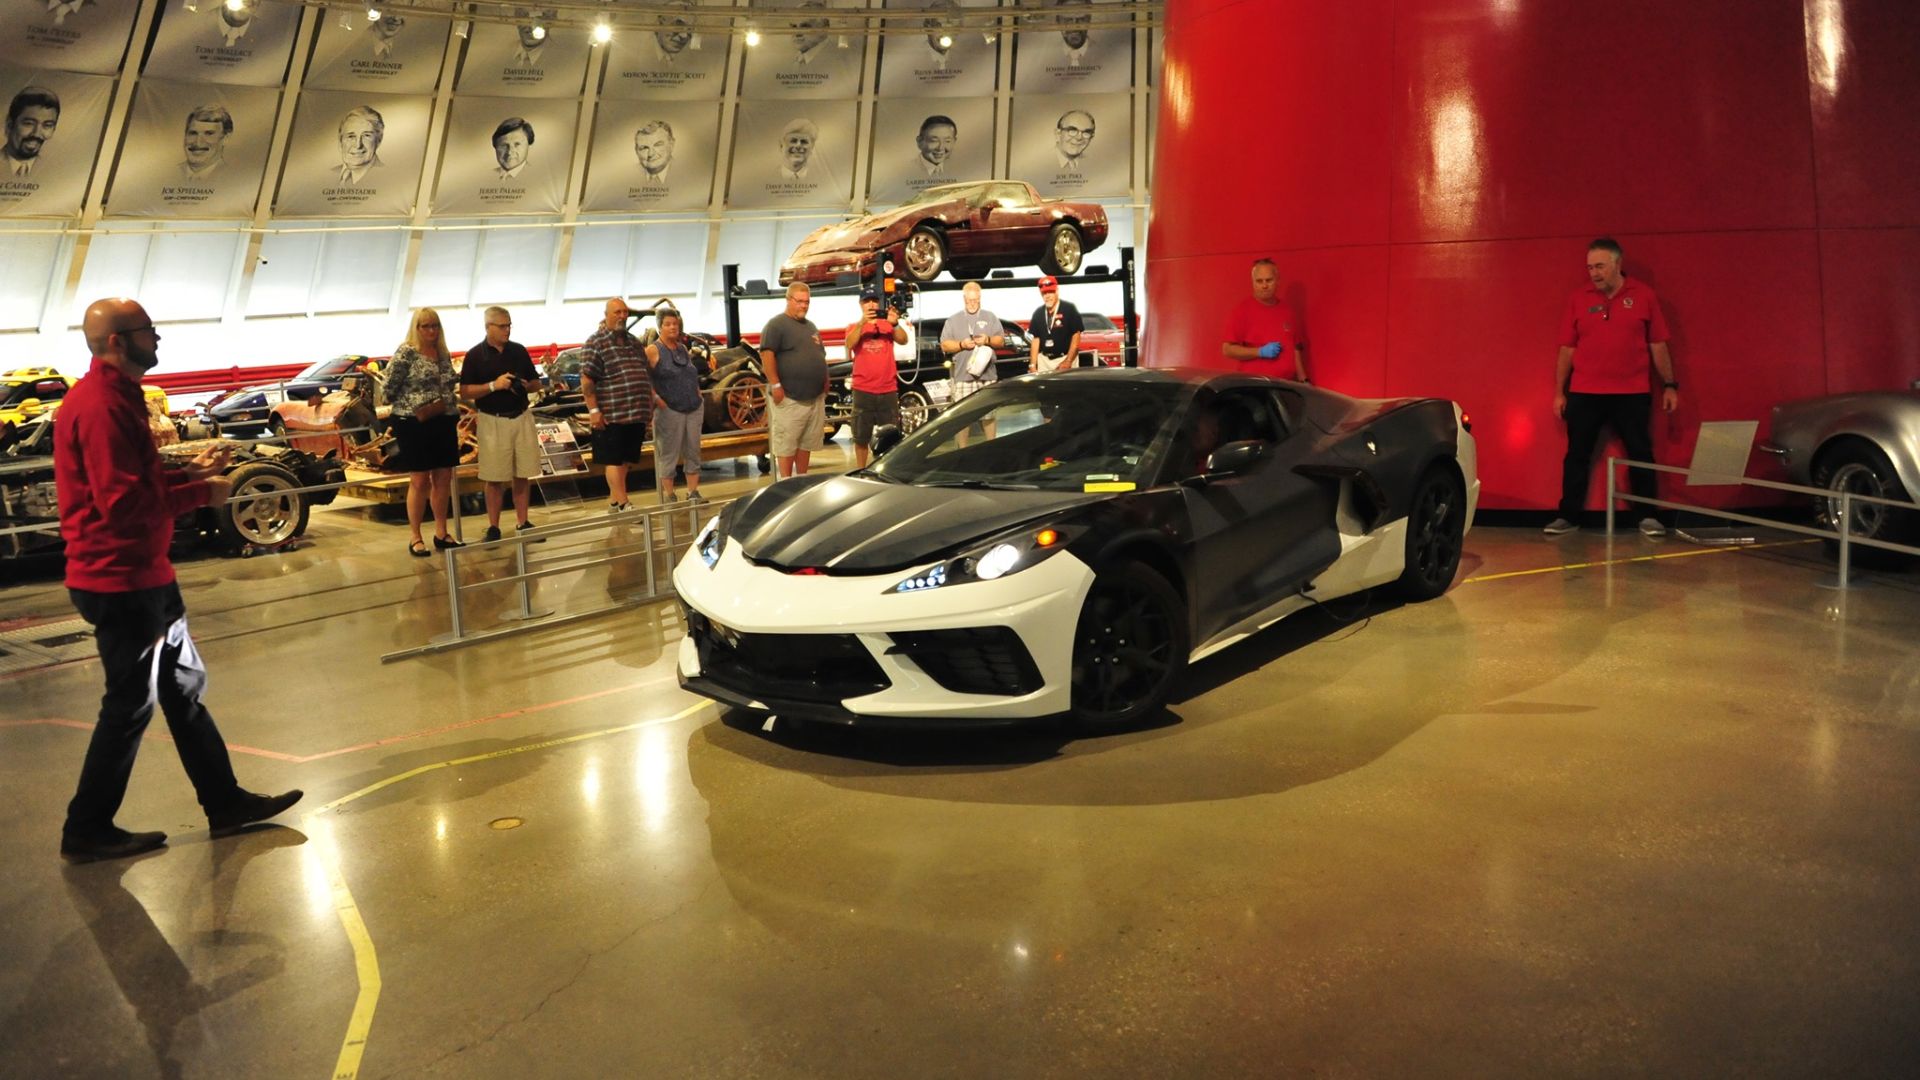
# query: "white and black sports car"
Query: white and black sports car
{"points": [[1066, 544]]}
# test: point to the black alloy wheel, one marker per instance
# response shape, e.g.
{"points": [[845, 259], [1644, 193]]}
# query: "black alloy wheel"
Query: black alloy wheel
{"points": [[1436, 531], [1130, 644]]}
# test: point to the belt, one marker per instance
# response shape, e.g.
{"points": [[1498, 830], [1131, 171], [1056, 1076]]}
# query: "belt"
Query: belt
{"points": [[506, 416]]}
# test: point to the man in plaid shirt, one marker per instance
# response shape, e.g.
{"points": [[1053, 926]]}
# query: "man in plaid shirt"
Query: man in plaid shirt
{"points": [[619, 393]]}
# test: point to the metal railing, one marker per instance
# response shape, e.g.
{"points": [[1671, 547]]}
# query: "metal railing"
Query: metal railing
{"points": [[1846, 499], [667, 530]]}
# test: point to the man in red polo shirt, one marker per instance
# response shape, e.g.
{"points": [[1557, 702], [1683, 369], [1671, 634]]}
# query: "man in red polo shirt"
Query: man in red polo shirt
{"points": [[117, 505], [1612, 327], [1260, 331]]}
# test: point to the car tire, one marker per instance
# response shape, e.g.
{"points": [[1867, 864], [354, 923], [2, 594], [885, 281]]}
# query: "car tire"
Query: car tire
{"points": [[1859, 467], [263, 509], [915, 409], [1436, 531], [276, 427], [1065, 250], [924, 255], [1128, 648]]}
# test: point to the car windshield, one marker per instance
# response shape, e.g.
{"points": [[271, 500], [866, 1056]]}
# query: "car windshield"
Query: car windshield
{"points": [[1054, 434], [944, 193], [328, 369], [17, 393]]}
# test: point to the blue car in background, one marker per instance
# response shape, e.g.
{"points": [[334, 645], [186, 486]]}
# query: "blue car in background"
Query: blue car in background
{"points": [[243, 413]]}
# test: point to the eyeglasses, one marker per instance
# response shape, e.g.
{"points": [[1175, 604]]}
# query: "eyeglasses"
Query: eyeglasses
{"points": [[502, 325], [1085, 132], [149, 327]]}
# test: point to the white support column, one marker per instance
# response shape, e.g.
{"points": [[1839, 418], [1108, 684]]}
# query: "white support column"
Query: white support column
{"points": [[436, 136], [722, 165], [576, 177], [240, 290]]}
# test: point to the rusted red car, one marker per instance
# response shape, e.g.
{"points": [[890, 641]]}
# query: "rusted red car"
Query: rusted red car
{"points": [[962, 229]]}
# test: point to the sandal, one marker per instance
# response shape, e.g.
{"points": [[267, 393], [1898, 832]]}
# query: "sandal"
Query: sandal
{"points": [[417, 549]]}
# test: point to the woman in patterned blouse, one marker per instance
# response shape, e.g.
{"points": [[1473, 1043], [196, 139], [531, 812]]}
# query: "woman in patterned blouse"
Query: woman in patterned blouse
{"points": [[421, 387]]}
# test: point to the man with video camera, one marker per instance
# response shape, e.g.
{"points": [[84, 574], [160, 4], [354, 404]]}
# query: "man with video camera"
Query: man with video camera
{"points": [[497, 376], [876, 374]]}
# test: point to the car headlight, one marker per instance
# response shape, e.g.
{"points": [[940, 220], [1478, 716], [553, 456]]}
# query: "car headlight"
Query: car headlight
{"points": [[996, 558], [710, 541]]}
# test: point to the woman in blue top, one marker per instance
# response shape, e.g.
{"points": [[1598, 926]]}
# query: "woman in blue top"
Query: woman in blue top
{"points": [[676, 424]]}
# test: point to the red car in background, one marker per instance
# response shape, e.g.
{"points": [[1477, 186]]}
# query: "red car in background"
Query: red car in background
{"points": [[1104, 338], [962, 229]]}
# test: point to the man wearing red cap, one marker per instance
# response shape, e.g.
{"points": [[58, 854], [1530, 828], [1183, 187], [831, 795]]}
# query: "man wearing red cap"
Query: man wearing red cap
{"points": [[1260, 332], [1055, 331]]}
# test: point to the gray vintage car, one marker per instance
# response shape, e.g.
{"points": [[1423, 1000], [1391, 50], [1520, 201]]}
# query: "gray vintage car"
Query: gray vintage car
{"points": [[1864, 443]]}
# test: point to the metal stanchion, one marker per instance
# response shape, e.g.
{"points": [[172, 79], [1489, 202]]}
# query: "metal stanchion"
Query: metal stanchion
{"points": [[1846, 536], [1613, 490], [456, 630]]}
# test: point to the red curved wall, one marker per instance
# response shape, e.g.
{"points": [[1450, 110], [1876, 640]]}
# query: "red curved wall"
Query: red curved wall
{"points": [[1427, 173]]}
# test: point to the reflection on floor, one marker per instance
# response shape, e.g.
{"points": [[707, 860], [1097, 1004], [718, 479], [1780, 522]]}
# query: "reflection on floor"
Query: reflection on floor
{"points": [[1647, 816]]}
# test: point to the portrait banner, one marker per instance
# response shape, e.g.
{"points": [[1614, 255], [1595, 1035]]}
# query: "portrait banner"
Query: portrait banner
{"points": [[354, 155], [669, 62], [1056, 53], [87, 36], [513, 61], [193, 150], [808, 56], [1073, 146], [948, 58], [53, 136], [394, 54], [920, 143], [652, 155], [244, 47], [506, 156], [792, 154]]}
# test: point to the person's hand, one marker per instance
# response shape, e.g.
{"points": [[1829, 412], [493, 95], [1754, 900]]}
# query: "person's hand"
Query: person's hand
{"points": [[1669, 399], [1560, 406], [599, 422], [776, 394], [210, 462], [504, 382], [1271, 350], [430, 410], [218, 489]]}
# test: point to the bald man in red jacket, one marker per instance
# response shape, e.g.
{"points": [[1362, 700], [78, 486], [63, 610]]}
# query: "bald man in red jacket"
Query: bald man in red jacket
{"points": [[117, 505]]}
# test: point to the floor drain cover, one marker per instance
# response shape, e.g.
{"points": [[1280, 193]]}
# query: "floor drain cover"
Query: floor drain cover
{"points": [[505, 823]]}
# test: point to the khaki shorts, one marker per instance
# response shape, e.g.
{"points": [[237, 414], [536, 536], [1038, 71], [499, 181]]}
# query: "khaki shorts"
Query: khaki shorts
{"points": [[509, 449], [797, 425]]}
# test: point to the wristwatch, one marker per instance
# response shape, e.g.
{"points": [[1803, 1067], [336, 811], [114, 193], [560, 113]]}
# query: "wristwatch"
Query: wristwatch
{"points": [[1671, 385]]}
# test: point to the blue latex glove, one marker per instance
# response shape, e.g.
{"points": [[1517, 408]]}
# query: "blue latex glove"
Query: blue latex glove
{"points": [[1271, 350]]}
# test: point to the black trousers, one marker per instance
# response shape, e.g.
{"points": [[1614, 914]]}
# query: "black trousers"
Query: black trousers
{"points": [[150, 659], [1630, 417]]}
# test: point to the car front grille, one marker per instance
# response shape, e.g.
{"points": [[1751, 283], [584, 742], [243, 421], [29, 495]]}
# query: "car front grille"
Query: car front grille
{"points": [[974, 660], [823, 668]]}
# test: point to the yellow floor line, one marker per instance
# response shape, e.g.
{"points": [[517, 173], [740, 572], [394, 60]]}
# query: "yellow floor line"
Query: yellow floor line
{"points": [[366, 962], [1635, 559]]}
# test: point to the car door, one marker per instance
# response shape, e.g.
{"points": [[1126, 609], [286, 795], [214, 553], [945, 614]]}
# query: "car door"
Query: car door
{"points": [[1016, 224], [1260, 535]]}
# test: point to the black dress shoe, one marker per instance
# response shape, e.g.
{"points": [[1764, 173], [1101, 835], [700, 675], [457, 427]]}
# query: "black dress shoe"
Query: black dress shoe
{"points": [[112, 843], [247, 808], [445, 542]]}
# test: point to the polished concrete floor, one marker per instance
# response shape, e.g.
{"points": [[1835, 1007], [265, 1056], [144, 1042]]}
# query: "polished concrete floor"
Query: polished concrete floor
{"points": [[1641, 816]]}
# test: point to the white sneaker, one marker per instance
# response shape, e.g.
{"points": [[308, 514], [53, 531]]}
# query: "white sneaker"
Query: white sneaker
{"points": [[1651, 528], [1559, 527], [617, 507]]}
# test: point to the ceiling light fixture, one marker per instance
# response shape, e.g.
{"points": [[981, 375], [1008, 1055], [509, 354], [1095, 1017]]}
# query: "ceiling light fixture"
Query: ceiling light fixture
{"points": [[602, 32]]}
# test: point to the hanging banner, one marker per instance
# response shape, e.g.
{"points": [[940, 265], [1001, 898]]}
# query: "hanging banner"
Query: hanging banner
{"points": [[193, 150], [792, 154], [506, 156], [1057, 54], [948, 58], [244, 47], [807, 55], [354, 155], [652, 155], [396, 54], [1073, 146], [919, 143], [67, 35], [54, 120], [524, 60], [670, 62]]}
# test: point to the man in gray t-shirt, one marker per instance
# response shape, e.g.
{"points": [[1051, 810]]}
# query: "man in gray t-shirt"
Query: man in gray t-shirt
{"points": [[796, 364], [966, 331]]}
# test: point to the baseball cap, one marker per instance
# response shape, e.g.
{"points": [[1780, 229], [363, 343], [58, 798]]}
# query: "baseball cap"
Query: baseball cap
{"points": [[869, 293], [1048, 284]]}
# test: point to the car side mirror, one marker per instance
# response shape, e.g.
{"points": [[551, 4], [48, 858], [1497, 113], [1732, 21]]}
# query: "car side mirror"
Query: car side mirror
{"points": [[1235, 457], [886, 437], [30, 404]]}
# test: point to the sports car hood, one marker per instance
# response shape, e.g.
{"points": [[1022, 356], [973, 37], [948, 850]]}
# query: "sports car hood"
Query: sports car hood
{"points": [[848, 233], [853, 525]]}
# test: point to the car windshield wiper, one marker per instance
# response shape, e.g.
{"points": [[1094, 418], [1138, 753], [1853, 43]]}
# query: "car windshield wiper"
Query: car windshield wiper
{"points": [[977, 485]]}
